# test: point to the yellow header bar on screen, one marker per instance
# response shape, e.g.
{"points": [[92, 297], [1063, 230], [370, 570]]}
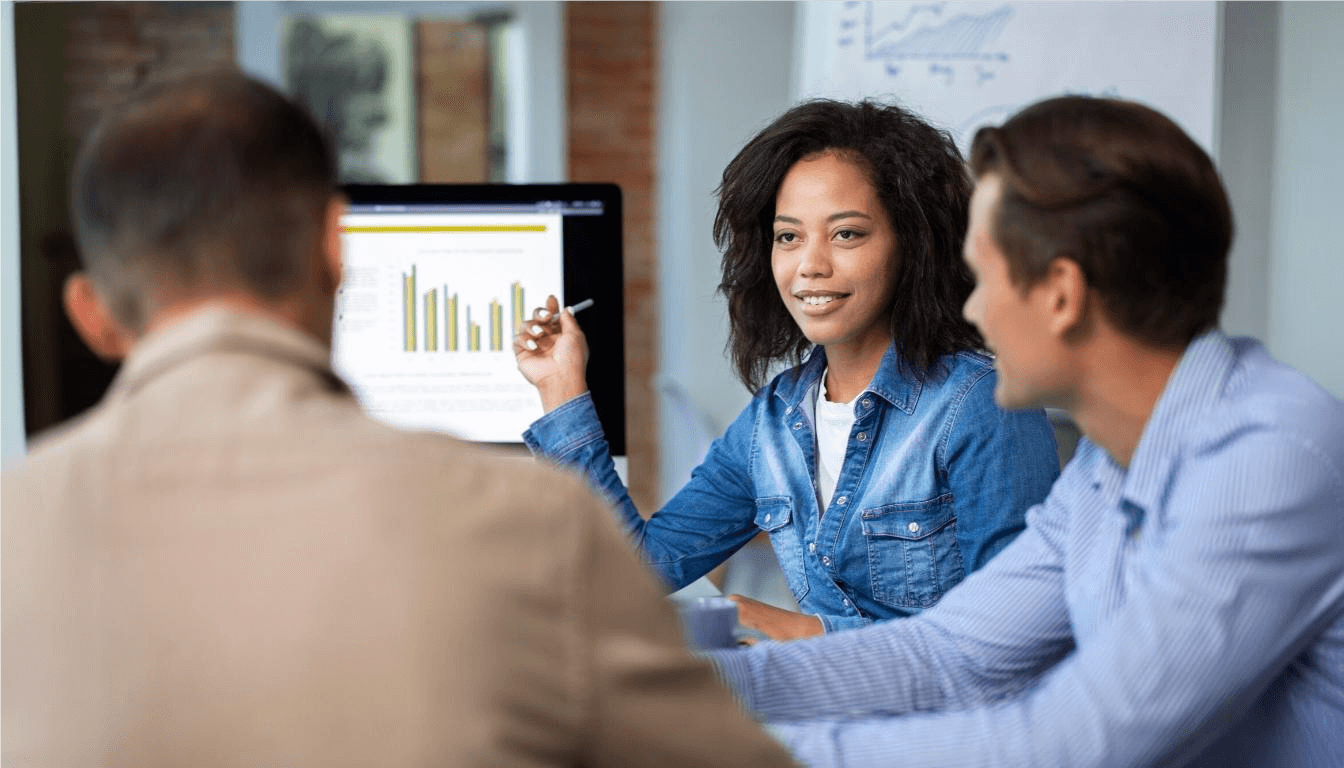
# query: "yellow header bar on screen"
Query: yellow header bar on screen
{"points": [[455, 228]]}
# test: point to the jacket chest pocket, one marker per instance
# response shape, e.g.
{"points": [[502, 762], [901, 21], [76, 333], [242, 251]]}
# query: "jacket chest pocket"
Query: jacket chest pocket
{"points": [[775, 516], [913, 555]]}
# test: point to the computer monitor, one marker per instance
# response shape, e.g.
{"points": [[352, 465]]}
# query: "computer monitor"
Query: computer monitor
{"points": [[438, 277]]}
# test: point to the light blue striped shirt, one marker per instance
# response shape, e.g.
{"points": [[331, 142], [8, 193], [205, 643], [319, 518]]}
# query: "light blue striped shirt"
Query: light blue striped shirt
{"points": [[1189, 610]]}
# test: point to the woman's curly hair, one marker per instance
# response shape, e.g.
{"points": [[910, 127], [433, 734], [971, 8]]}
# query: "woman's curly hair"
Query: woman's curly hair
{"points": [[925, 187]]}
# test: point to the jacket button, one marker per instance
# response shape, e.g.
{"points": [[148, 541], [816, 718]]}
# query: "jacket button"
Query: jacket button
{"points": [[913, 527], [867, 403], [798, 425], [842, 500], [825, 561], [863, 436], [767, 519], [811, 546]]}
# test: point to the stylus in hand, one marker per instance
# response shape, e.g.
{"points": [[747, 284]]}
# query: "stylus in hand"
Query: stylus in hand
{"points": [[573, 309]]}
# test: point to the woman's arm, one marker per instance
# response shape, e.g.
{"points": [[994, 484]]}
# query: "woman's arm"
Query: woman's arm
{"points": [[700, 527]]}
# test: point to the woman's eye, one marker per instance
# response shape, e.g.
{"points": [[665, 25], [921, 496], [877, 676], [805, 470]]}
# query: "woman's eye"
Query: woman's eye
{"points": [[785, 237], [848, 234]]}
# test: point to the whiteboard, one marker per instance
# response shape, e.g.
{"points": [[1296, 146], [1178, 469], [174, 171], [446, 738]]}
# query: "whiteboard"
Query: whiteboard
{"points": [[964, 65]]}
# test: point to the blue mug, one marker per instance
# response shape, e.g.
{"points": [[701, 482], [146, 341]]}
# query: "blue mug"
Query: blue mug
{"points": [[708, 622]]}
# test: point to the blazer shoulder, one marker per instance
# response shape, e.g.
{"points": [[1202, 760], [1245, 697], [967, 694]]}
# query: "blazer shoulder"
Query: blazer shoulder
{"points": [[483, 471]]}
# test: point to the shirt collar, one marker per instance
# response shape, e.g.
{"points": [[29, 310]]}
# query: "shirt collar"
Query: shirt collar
{"points": [[1191, 391], [215, 329], [900, 391]]}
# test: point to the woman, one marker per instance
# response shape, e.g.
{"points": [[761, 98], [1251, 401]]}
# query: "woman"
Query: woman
{"points": [[878, 463]]}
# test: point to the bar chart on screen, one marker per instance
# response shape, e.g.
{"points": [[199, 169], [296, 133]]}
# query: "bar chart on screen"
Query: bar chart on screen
{"points": [[427, 311], [437, 320]]}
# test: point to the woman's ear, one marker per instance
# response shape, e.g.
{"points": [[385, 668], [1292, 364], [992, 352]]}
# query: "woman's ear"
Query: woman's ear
{"points": [[99, 329]]}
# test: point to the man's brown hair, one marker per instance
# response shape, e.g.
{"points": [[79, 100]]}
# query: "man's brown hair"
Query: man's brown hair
{"points": [[1122, 191]]}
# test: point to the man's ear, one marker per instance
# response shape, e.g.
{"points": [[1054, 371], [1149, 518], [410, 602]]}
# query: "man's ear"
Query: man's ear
{"points": [[99, 329], [1067, 297], [331, 240]]}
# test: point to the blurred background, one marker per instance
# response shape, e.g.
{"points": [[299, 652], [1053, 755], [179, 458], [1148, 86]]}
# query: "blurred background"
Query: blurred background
{"points": [[656, 97]]}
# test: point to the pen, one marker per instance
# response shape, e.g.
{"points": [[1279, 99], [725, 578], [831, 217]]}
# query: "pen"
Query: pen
{"points": [[582, 305], [572, 309]]}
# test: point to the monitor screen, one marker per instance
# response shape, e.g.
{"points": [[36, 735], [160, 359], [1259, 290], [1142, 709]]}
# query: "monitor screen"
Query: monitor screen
{"points": [[438, 278]]}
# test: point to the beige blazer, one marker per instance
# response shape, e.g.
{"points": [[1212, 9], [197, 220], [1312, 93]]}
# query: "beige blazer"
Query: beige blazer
{"points": [[226, 563]]}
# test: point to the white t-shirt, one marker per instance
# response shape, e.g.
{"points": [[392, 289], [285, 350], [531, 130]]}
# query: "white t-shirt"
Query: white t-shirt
{"points": [[834, 423]]}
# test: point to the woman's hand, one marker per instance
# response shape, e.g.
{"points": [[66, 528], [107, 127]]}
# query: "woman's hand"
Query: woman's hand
{"points": [[775, 623], [552, 354]]}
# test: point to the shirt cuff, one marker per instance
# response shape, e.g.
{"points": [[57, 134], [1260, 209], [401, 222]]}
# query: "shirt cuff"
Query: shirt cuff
{"points": [[837, 623], [566, 429]]}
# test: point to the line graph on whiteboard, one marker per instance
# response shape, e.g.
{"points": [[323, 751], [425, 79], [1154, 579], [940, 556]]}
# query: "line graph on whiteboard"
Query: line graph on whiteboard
{"points": [[923, 31], [926, 35], [971, 63], [938, 45]]}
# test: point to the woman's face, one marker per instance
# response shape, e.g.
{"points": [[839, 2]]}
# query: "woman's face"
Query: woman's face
{"points": [[834, 255]]}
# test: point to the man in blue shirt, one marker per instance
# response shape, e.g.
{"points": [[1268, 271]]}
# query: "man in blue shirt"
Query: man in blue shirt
{"points": [[1178, 599]]}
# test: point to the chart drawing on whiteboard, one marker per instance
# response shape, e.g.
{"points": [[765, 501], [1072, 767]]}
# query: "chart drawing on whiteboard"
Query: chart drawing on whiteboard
{"points": [[929, 31], [929, 38], [964, 65]]}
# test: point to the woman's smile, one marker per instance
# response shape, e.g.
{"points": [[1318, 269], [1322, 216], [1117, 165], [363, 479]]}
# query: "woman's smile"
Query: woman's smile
{"points": [[816, 304]]}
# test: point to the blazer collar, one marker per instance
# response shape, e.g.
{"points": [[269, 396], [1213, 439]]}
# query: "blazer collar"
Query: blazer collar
{"points": [[218, 329]]}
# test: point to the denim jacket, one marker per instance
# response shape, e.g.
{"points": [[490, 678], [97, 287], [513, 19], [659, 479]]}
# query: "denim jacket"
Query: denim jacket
{"points": [[936, 479]]}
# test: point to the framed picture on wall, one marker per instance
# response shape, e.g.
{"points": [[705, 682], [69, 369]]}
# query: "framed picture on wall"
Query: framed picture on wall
{"points": [[356, 73]]}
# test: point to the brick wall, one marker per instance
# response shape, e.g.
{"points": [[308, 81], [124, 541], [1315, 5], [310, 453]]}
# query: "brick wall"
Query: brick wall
{"points": [[75, 60], [452, 97], [612, 92], [113, 47]]}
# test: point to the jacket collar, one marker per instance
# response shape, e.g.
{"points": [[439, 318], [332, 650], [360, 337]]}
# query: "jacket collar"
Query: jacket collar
{"points": [[218, 329], [900, 391]]}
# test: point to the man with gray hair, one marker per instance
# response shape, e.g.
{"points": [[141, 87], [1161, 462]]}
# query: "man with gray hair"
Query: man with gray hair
{"points": [[226, 562]]}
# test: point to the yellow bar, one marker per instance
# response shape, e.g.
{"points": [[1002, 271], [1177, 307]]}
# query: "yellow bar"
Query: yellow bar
{"points": [[473, 333], [454, 228], [432, 321], [408, 294], [518, 307], [450, 319], [496, 325]]}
